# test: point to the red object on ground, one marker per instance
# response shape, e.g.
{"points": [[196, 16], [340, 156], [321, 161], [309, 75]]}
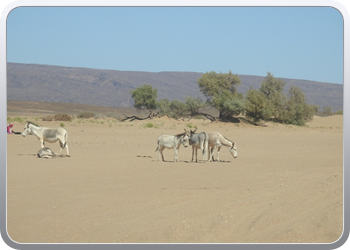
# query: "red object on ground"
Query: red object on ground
{"points": [[9, 131]]}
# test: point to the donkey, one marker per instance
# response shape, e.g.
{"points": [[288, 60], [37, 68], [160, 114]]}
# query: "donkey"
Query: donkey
{"points": [[46, 153], [47, 135], [172, 141], [217, 140], [199, 141]]}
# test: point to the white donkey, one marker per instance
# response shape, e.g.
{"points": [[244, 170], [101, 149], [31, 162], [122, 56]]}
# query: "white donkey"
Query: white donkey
{"points": [[47, 135], [199, 141], [172, 141], [217, 140]]}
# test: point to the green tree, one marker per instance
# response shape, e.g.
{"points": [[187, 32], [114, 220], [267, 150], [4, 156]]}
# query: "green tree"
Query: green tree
{"points": [[193, 105], [221, 93], [327, 110], [163, 107], [228, 104], [174, 109], [339, 112], [272, 88], [257, 106], [145, 97], [269, 101], [296, 110], [178, 109]]}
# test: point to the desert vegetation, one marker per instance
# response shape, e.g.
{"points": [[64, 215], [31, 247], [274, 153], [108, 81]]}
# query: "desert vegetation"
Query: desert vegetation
{"points": [[58, 117], [269, 103], [86, 115]]}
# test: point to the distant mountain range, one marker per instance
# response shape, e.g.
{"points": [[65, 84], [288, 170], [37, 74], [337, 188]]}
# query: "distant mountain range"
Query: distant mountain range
{"points": [[110, 88]]}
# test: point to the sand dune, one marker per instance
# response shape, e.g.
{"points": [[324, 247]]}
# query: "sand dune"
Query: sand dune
{"points": [[335, 121], [285, 186]]}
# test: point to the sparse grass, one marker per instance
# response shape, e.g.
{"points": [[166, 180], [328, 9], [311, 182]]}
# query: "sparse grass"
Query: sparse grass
{"points": [[149, 125], [15, 119], [152, 125], [86, 115], [62, 124], [189, 125]]}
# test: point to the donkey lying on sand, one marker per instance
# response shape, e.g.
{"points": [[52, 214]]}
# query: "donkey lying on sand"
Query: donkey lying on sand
{"points": [[46, 153], [172, 141], [47, 135], [216, 140]]}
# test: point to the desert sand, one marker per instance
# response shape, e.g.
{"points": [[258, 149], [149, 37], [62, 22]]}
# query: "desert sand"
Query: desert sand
{"points": [[286, 185]]}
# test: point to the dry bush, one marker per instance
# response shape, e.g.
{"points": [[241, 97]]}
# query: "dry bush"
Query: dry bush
{"points": [[48, 118], [57, 117], [63, 117]]}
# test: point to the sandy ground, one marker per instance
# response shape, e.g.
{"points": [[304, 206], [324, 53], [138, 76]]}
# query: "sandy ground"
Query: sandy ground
{"points": [[285, 186]]}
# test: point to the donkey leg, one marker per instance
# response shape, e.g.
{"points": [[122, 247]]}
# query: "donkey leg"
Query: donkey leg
{"points": [[67, 149], [192, 154], [205, 147], [161, 153], [212, 152], [61, 147], [218, 153], [176, 151], [204, 154], [211, 156], [64, 145]]}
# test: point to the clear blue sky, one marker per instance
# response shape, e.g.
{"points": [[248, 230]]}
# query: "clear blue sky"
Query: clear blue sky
{"points": [[290, 42]]}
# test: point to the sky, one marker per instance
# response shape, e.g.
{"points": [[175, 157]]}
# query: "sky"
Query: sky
{"points": [[290, 42]]}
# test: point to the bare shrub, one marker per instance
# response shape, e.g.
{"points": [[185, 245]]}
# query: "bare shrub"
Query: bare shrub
{"points": [[48, 118], [97, 116], [57, 117], [63, 117]]}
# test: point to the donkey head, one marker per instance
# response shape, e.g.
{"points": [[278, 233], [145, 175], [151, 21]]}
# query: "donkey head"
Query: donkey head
{"points": [[233, 150], [185, 140], [190, 134], [27, 130]]}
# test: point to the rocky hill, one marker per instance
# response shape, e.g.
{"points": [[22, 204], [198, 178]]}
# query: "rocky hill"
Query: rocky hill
{"points": [[44, 83]]}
